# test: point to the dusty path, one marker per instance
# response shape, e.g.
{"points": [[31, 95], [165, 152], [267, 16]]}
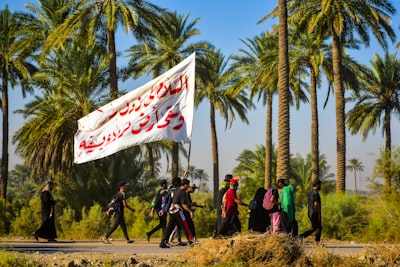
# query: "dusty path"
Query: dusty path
{"points": [[137, 248]]}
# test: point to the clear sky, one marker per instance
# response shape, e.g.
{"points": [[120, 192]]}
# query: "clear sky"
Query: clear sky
{"points": [[224, 23]]}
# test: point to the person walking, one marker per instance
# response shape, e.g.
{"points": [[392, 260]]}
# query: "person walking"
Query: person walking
{"points": [[191, 204], [176, 215], [275, 213], [230, 214], [157, 208], [118, 212], [259, 219], [221, 193], [47, 230], [288, 210], [314, 212]]}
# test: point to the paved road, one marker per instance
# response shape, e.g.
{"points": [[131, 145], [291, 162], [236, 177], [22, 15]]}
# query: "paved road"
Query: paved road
{"points": [[138, 247], [120, 247]]}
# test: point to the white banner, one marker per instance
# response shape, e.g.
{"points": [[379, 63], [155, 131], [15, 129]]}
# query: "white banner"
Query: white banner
{"points": [[162, 109]]}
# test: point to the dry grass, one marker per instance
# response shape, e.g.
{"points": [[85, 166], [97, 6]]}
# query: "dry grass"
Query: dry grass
{"points": [[242, 250], [281, 250]]}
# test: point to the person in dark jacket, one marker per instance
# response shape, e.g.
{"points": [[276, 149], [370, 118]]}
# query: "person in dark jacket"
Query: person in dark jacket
{"points": [[119, 219], [221, 193], [259, 219], [314, 212], [157, 208], [47, 230]]}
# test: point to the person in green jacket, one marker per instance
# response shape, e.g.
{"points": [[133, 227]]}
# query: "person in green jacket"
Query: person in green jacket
{"points": [[288, 209]]}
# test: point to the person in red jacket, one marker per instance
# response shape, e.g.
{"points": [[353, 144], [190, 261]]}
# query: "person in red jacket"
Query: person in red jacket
{"points": [[230, 213]]}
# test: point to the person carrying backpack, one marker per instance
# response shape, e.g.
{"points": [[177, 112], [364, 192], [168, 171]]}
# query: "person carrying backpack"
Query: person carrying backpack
{"points": [[272, 198], [156, 206], [118, 210], [179, 202]]}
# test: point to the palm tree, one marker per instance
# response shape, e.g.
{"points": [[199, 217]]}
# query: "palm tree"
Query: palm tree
{"points": [[15, 68], [311, 52], [257, 71], [251, 164], [342, 19], [355, 166], [43, 20], [73, 81], [283, 159], [212, 86], [97, 18], [165, 48], [376, 102]]}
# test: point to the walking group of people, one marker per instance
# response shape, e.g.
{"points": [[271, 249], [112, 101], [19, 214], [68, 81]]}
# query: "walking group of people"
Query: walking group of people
{"points": [[177, 203], [272, 211]]}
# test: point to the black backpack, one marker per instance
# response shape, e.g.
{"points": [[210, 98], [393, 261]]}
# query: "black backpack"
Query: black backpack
{"points": [[115, 203]]}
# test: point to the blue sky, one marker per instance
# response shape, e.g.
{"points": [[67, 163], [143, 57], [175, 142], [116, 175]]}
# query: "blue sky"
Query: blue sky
{"points": [[224, 23]]}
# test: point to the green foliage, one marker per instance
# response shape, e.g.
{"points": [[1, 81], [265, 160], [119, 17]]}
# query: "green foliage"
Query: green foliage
{"points": [[343, 217], [383, 219], [5, 216], [28, 219], [92, 224]]}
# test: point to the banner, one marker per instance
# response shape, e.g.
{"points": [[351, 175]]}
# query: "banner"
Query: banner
{"points": [[162, 109]]}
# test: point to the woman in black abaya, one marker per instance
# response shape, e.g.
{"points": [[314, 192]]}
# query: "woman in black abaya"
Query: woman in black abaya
{"points": [[47, 230]]}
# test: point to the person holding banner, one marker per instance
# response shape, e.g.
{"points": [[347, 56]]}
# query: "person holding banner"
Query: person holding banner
{"points": [[177, 217]]}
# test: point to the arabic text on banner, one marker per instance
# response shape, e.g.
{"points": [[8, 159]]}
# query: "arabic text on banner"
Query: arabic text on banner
{"points": [[162, 109]]}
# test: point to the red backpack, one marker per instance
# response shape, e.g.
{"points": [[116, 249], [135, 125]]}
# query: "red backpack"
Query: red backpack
{"points": [[268, 204]]}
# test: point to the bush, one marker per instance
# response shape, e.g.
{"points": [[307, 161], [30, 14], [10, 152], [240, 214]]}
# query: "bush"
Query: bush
{"points": [[343, 217], [28, 219]]}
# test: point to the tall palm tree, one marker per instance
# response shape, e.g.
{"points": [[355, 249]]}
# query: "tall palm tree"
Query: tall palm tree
{"points": [[257, 71], [72, 81], [283, 159], [376, 102], [164, 48], [342, 19], [311, 52], [97, 18], [213, 82], [15, 68], [355, 166]]}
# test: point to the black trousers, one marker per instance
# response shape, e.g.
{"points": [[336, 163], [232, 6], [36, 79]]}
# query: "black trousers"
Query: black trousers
{"points": [[118, 221], [176, 220], [230, 225], [288, 227], [162, 225], [316, 226]]}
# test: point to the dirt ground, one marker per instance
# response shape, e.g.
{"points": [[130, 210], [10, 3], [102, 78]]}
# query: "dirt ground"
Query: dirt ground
{"points": [[97, 259]]}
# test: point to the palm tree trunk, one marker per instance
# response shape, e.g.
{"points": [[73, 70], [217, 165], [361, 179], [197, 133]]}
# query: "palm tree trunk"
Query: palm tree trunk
{"points": [[314, 127], [4, 159], [214, 148], [113, 64], [355, 181], [268, 141], [283, 160], [388, 154], [340, 115]]}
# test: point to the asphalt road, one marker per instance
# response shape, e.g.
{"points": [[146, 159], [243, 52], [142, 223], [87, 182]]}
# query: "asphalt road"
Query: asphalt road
{"points": [[139, 247]]}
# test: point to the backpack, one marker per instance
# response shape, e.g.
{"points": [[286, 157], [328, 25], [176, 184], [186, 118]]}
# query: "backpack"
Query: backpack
{"points": [[267, 201], [166, 201], [114, 204], [253, 204]]}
